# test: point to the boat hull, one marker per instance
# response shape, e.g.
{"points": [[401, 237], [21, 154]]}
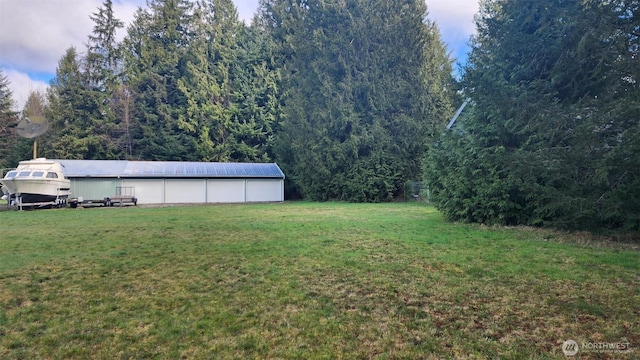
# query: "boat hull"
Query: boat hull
{"points": [[8, 186], [31, 191]]}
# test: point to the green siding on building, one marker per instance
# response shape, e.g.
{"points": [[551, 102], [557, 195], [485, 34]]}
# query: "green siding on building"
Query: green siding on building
{"points": [[94, 189]]}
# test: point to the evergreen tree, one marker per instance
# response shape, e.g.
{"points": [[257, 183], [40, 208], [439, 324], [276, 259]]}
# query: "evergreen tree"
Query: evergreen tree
{"points": [[71, 106], [608, 135], [207, 85], [8, 118], [80, 97], [257, 87], [102, 67], [536, 148], [155, 60], [496, 169], [357, 112], [228, 85], [103, 60]]}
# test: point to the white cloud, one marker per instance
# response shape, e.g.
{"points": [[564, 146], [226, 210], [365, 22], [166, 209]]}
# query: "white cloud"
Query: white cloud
{"points": [[455, 21], [22, 86], [34, 34], [456, 15], [246, 9]]}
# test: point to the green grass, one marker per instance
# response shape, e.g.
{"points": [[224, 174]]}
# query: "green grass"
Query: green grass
{"points": [[302, 281]]}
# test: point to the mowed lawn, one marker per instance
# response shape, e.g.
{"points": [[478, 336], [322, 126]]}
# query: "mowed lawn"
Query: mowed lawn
{"points": [[305, 281]]}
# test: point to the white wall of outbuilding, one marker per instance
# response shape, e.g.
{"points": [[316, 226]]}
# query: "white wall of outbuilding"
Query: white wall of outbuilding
{"points": [[177, 191]]}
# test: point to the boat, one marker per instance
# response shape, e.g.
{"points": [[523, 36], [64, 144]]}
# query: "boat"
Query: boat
{"points": [[37, 182]]}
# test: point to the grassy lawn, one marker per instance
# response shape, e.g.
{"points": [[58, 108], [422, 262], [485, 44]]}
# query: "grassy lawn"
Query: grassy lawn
{"points": [[304, 281]]}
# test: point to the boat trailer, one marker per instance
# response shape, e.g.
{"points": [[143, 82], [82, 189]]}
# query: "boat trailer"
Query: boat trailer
{"points": [[125, 195]]}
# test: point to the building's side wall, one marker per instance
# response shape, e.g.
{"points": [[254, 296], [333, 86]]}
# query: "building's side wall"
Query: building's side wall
{"points": [[175, 191]]}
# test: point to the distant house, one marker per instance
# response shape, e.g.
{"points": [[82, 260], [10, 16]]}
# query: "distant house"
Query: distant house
{"points": [[173, 182]]}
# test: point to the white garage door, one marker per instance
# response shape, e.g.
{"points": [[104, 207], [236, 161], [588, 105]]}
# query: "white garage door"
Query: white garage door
{"points": [[185, 191], [264, 190], [147, 191], [225, 191]]}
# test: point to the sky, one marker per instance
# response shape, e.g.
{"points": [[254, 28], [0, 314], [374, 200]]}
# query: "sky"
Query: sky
{"points": [[35, 34]]}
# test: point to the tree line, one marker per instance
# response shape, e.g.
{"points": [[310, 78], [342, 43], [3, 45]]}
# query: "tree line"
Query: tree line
{"points": [[341, 94], [352, 98]]}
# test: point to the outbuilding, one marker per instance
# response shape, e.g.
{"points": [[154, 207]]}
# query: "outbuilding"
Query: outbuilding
{"points": [[174, 182]]}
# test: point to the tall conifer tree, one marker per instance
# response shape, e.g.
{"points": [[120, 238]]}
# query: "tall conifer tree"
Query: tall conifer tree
{"points": [[70, 110], [155, 60], [207, 84], [8, 118], [357, 111], [257, 84], [102, 67]]}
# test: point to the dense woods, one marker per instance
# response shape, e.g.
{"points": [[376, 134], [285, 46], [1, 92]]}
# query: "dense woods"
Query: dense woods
{"points": [[551, 137], [367, 82], [352, 98]]}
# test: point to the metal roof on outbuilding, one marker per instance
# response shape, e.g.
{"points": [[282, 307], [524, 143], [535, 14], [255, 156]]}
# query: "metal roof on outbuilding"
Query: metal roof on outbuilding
{"points": [[168, 169]]}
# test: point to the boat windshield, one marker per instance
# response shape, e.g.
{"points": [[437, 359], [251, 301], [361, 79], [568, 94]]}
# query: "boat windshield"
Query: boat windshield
{"points": [[11, 174], [38, 174], [24, 174]]}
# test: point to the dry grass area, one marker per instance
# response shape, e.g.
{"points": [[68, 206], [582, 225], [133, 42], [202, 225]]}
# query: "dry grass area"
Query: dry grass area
{"points": [[306, 281]]}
